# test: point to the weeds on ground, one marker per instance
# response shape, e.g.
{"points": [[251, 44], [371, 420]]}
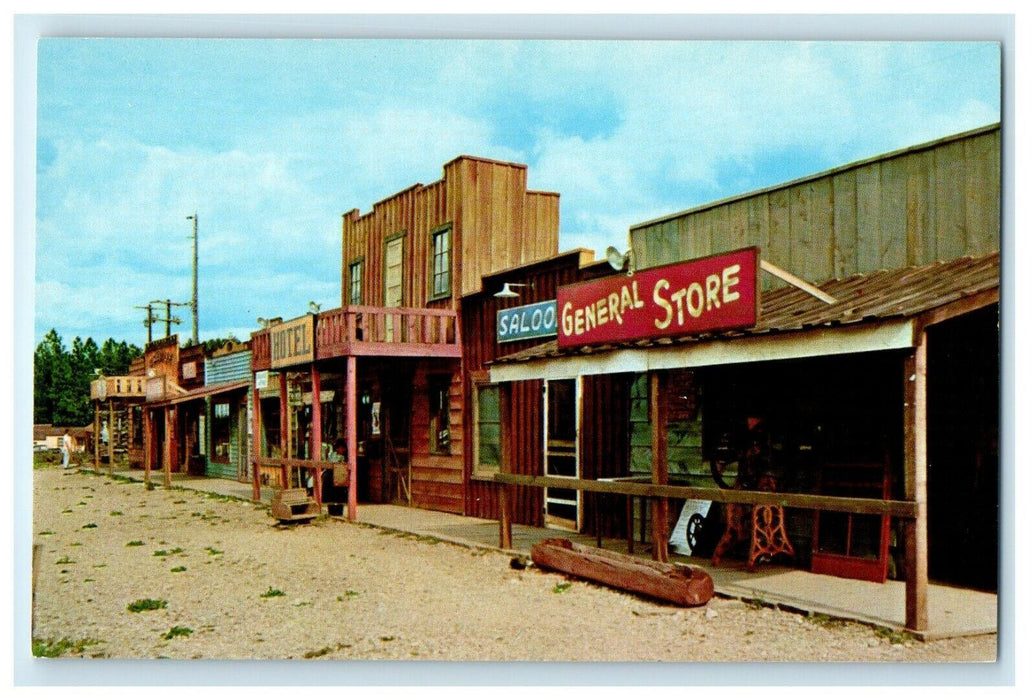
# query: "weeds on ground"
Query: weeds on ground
{"points": [[115, 513], [347, 595], [64, 560], [178, 631], [893, 636], [825, 621], [271, 592], [178, 569], [166, 553], [47, 532], [135, 543], [146, 604], [562, 587], [89, 526], [50, 648], [756, 603], [213, 552]]}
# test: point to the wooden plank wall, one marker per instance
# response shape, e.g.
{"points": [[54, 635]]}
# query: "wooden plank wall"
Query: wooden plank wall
{"points": [[937, 201], [497, 224], [436, 481]]}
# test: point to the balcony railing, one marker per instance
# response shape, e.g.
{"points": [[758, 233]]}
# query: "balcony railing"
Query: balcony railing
{"points": [[117, 388], [373, 331]]}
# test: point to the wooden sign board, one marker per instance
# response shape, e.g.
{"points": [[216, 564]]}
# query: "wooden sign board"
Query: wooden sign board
{"points": [[539, 320], [720, 292], [291, 342]]}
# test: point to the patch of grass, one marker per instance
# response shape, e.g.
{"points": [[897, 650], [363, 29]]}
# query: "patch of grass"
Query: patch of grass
{"points": [[64, 560], [67, 510], [756, 603], [167, 552], [146, 604], [115, 513], [318, 653], [89, 526], [50, 648], [893, 636], [47, 532], [348, 594], [271, 592], [75, 544], [387, 638], [825, 621], [178, 631], [213, 552], [562, 587], [135, 543], [178, 569]]}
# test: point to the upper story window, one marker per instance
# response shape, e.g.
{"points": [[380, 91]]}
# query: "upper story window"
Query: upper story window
{"points": [[441, 262], [355, 283]]}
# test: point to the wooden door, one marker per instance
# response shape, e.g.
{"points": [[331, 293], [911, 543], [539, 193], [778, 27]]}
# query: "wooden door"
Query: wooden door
{"points": [[561, 507]]}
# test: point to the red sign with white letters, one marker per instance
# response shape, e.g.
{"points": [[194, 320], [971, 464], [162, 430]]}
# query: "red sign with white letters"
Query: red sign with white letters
{"points": [[720, 292]]}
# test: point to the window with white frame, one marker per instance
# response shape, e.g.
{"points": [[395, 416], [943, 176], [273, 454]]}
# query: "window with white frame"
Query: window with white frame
{"points": [[441, 262]]}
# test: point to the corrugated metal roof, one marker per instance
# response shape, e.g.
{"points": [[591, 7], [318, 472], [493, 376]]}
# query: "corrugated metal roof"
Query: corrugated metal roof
{"points": [[888, 294]]}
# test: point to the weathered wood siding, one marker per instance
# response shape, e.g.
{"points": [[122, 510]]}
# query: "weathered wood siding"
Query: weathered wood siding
{"points": [[936, 201], [478, 330], [436, 481], [496, 224]]}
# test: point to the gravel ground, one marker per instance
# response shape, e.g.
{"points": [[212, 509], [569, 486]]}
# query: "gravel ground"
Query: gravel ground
{"points": [[229, 583]]}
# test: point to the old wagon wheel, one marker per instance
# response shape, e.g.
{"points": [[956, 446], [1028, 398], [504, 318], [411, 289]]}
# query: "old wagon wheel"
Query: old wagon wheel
{"points": [[724, 472], [694, 530]]}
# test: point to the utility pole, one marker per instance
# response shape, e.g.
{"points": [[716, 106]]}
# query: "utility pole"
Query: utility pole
{"points": [[194, 283], [149, 320]]}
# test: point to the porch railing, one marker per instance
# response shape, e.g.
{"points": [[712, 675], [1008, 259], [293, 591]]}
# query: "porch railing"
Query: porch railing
{"points": [[117, 387], [362, 328], [291, 473]]}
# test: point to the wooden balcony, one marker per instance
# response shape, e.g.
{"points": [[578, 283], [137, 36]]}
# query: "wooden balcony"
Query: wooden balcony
{"points": [[375, 331], [118, 388]]}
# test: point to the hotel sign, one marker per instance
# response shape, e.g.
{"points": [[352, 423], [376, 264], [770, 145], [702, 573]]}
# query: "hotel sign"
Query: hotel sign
{"points": [[720, 292], [538, 320], [291, 342]]}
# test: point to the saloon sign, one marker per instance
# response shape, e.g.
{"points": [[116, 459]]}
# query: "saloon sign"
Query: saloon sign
{"points": [[538, 320], [708, 294]]}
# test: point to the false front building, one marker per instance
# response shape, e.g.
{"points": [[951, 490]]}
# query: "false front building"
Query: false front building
{"points": [[380, 383]]}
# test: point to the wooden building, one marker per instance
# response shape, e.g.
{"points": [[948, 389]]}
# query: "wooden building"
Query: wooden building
{"points": [[195, 410], [384, 372], [118, 414], [856, 410]]}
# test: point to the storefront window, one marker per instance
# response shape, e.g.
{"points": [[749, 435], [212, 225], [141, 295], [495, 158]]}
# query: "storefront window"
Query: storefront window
{"points": [[221, 432], [487, 430]]}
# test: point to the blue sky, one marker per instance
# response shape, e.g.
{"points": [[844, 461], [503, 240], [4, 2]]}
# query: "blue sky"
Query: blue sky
{"points": [[270, 141]]}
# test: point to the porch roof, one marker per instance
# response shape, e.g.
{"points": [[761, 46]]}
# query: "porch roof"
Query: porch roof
{"points": [[202, 392], [873, 311]]}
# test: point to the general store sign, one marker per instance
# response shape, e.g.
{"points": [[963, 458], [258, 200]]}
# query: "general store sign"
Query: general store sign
{"points": [[538, 320], [720, 292], [291, 342]]}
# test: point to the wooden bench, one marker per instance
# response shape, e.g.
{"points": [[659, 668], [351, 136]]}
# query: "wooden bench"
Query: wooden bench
{"points": [[293, 504]]}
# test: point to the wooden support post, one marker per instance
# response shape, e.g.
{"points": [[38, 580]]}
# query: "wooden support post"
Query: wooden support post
{"points": [[350, 431], [506, 465], [111, 438], [915, 483], [257, 440], [170, 446], [149, 444], [316, 430], [97, 437], [285, 441], [659, 464]]}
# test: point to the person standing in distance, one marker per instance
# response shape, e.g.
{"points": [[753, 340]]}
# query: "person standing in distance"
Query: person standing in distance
{"points": [[67, 444]]}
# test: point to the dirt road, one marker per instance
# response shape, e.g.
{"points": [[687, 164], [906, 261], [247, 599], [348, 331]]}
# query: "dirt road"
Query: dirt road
{"points": [[124, 572]]}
